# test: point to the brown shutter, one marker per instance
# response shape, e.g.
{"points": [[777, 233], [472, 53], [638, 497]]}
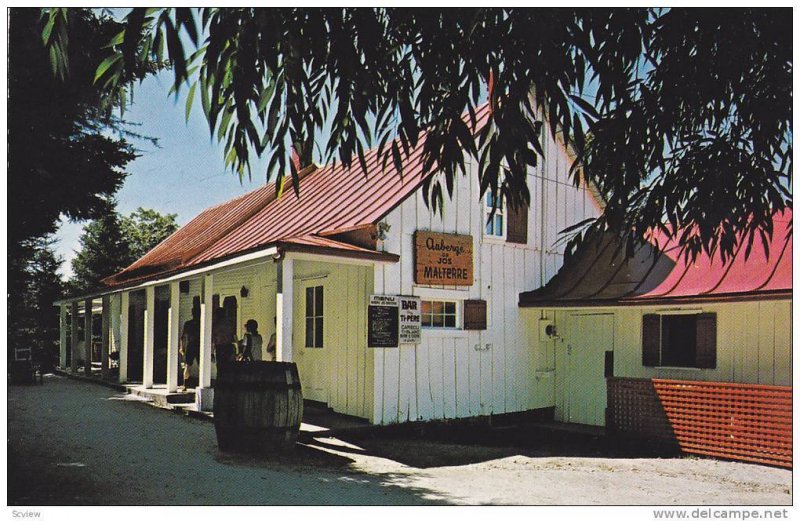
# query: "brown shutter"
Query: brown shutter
{"points": [[706, 355], [517, 224], [651, 340], [475, 314]]}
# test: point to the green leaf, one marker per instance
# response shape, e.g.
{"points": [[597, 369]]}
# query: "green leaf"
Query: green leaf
{"points": [[585, 106], [190, 100], [204, 96], [117, 39], [48, 28], [105, 66]]}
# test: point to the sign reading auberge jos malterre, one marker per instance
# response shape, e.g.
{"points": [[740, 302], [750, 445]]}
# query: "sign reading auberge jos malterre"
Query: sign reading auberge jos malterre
{"points": [[442, 259]]}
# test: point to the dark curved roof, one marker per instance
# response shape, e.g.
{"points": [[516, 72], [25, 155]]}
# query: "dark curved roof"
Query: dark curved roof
{"points": [[599, 275]]}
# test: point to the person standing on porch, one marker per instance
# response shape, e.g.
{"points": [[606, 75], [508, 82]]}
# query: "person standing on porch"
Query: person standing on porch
{"points": [[223, 338], [251, 343], [271, 342], [190, 344]]}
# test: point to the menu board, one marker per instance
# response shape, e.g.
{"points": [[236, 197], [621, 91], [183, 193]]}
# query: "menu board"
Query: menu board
{"points": [[383, 321]]}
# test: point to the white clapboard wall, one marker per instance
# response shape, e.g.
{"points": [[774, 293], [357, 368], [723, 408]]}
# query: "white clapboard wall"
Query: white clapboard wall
{"points": [[456, 374]]}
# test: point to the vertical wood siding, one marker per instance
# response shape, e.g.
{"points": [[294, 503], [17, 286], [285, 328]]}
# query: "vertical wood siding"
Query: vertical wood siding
{"points": [[456, 374], [343, 359]]}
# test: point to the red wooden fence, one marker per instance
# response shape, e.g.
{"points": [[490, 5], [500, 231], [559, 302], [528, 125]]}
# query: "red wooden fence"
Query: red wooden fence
{"points": [[734, 421]]}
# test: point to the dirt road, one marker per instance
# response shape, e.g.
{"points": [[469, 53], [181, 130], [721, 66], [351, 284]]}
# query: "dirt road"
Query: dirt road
{"points": [[72, 443]]}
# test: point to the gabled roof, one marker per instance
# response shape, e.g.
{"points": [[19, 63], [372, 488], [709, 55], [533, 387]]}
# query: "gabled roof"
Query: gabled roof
{"points": [[334, 200], [188, 241], [599, 275]]}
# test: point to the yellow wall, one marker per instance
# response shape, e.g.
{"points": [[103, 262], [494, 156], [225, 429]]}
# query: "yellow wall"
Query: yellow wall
{"points": [[340, 373], [753, 346]]}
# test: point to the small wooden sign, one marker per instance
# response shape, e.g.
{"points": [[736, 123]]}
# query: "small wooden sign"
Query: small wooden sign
{"points": [[475, 314], [443, 259]]}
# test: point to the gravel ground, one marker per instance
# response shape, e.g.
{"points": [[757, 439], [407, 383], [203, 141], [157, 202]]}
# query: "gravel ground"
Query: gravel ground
{"points": [[72, 443]]}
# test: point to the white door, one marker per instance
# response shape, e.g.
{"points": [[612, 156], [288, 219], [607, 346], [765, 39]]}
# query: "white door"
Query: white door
{"points": [[588, 338], [310, 339]]}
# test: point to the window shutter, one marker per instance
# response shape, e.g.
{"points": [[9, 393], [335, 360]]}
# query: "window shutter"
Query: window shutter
{"points": [[651, 340], [475, 315], [706, 355], [517, 224]]}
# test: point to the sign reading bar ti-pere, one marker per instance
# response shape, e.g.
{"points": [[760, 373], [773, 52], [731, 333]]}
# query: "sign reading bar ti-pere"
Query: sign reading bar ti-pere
{"points": [[442, 259]]}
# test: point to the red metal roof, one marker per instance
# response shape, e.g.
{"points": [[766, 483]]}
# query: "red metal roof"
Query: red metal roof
{"points": [[324, 245], [707, 276], [599, 275], [177, 250], [333, 200]]}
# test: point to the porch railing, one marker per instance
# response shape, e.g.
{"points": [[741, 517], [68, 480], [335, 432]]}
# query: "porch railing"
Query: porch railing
{"points": [[726, 420]]}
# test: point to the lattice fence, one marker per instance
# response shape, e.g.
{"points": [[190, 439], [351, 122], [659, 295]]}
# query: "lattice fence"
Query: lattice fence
{"points": [[734, 421]]}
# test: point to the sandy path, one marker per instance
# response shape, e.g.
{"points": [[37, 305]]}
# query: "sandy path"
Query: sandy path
{"points": [[81, 444], [75, 443]]}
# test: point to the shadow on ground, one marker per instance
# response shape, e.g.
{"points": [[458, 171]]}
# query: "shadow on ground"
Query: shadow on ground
{"points": [[439, 444]]}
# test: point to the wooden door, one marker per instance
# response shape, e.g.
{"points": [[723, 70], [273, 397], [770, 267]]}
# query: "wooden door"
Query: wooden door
{"points": [[587, 338], [310, 339]]}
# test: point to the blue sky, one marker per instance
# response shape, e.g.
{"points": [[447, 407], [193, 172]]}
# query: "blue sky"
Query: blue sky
{"points": [[183, 175]]}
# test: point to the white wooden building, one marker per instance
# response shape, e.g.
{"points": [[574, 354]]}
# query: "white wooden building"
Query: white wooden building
{"points": [[313, 265]]}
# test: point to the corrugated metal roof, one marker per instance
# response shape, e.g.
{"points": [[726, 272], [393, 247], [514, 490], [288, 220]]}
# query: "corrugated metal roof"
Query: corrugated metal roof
{"points": [[333, 199], [326, 246], [177, 250], [599, 274]]}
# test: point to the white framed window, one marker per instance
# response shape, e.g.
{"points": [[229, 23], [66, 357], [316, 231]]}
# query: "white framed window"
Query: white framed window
{"points": [[494, 226], [314, 316], [441, 314]]}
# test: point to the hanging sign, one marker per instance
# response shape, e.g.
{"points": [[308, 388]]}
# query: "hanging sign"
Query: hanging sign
{"points": [[383, 321], [442, 259], [410, 320]]}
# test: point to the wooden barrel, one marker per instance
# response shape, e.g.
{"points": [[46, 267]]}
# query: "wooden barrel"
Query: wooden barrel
{"points": [[258, 406]]}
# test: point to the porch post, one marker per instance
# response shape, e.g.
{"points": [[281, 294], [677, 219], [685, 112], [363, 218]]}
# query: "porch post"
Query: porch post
{"points": [[104, 336], [203, 393], [87, 337], [124, 302], [283, 306], [62, 336], [73, 362], [149, 333], [173, 323], [114, 312]]}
